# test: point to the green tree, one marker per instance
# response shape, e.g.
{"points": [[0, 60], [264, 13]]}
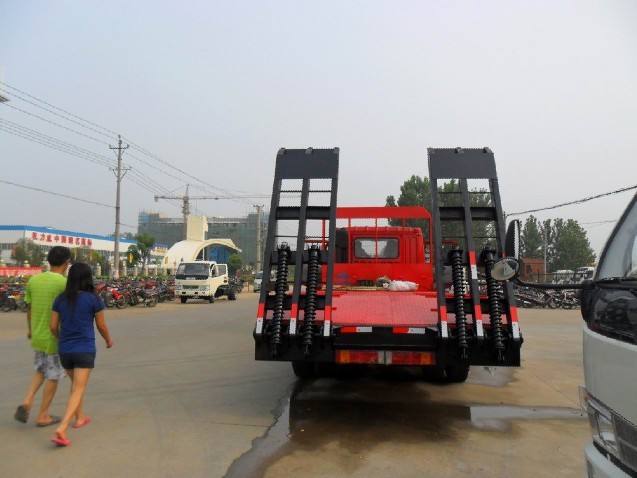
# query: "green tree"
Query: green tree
{"points": [[416, 192], [27, 250], [568, 245], [133, 255], [532, 239], [234, 263], [126, 235], [145, 243], [81, 254]]}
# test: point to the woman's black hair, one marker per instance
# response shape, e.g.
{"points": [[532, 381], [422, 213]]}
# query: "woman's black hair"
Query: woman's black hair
{"points": [[80, 279]]}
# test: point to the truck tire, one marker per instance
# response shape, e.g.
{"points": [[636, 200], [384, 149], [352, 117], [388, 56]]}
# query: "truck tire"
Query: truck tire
{"points": [[183, 299], [211, 299], [303, 369], [232, 294], [433, 373], [457, 373]]}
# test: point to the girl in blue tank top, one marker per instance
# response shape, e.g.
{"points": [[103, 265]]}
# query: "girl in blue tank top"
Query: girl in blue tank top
{"points": [[74, 313]]}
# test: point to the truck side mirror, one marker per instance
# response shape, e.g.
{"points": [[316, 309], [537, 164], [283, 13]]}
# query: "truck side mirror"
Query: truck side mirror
{"points": [[505, 269], [512, 239]]}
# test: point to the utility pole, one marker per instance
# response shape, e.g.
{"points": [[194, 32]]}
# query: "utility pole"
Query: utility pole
{"points": [[119, 176], [258, 262], [545, 252]]}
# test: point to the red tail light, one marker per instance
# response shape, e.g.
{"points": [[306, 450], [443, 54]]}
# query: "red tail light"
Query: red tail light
{"points": [[413, 358]]}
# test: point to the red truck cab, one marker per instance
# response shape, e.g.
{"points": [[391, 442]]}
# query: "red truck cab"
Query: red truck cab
{"points": [[366, 253]]}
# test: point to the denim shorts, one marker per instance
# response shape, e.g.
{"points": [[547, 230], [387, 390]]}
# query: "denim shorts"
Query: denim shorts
{"points": [[49, 365], [74, 360]]}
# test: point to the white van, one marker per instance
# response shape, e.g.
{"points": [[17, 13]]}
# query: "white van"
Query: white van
{"points": [[583, 273], [203, 280]]}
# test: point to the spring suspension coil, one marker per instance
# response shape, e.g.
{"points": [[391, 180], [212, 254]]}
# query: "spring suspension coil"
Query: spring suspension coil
{"points": [[494, 292], [279, 288], [455, 257], [310, 298]]}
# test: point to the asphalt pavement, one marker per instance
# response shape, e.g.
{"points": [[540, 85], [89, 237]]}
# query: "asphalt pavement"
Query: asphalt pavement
{"points": [[179, 394]]}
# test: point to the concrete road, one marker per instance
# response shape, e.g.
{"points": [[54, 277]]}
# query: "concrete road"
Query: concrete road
{"points": [[180, 395]]}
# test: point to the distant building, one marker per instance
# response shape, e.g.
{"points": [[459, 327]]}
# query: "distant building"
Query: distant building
{"points": [[532, 270], [47, 237], [241, 230]]}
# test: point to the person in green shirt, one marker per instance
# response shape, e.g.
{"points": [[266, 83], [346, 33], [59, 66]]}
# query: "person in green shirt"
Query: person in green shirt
{"points": [[42, 289]]}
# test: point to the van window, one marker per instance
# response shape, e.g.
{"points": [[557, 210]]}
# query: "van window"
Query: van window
{"points": [[621, 253]]}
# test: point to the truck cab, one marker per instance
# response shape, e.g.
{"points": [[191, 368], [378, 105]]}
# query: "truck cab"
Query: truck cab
{"points": [[206, 280], [609, 310], [364, 254]]}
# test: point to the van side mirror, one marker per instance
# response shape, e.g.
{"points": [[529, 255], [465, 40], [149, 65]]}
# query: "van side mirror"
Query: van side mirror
{"points": [[512, 239]]}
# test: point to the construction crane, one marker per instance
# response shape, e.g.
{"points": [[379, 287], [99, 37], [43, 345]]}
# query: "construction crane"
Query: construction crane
{"points": [[185, 208]]}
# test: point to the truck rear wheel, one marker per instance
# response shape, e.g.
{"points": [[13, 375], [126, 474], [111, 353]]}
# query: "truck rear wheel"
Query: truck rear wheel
{"points": [[303, 369], [183, 299], [457, 373], [232, 294], [433, 373]]}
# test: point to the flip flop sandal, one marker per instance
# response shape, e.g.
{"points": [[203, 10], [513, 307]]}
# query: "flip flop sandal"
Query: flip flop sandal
{"points": [[54, 420], [61, 441], [86, 421], [22, 414]]}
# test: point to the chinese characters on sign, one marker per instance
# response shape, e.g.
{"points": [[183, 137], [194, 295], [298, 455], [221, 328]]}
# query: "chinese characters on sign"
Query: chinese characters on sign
{"points": [[57, 239]]}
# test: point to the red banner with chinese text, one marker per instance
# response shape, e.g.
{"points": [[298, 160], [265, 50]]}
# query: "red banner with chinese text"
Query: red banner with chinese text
{"points": [[19, 271]]}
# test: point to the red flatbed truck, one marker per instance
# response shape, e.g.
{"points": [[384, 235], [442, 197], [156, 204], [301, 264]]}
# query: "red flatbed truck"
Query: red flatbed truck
{"points": [[338, 313]]}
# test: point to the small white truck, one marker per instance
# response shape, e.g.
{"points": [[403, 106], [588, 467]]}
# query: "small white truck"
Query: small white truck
{"points": [[203, 280]]}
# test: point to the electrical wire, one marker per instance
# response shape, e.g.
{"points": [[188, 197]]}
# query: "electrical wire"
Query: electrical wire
{"points": [[54, 123], [59, 109], [56, 114], [579, 201], [28, 133], [227, 194], [154, 167], [62, 146], [56, 194]]}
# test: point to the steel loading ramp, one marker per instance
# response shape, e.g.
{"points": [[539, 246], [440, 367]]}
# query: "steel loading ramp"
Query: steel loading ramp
{"points": [[458, 213]]}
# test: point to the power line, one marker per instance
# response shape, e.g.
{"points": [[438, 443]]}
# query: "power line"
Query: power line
{"points": [[53, 143], [579, 201], [59, 109], [157, 158], [58, 114], [50, 144], [55, 194], [228, 193], [599, 222], [86, 136], [54, 123], [49, 141]]}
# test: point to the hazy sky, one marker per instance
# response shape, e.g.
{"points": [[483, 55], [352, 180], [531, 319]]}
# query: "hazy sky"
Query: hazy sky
{"points": [[216, 88]]}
